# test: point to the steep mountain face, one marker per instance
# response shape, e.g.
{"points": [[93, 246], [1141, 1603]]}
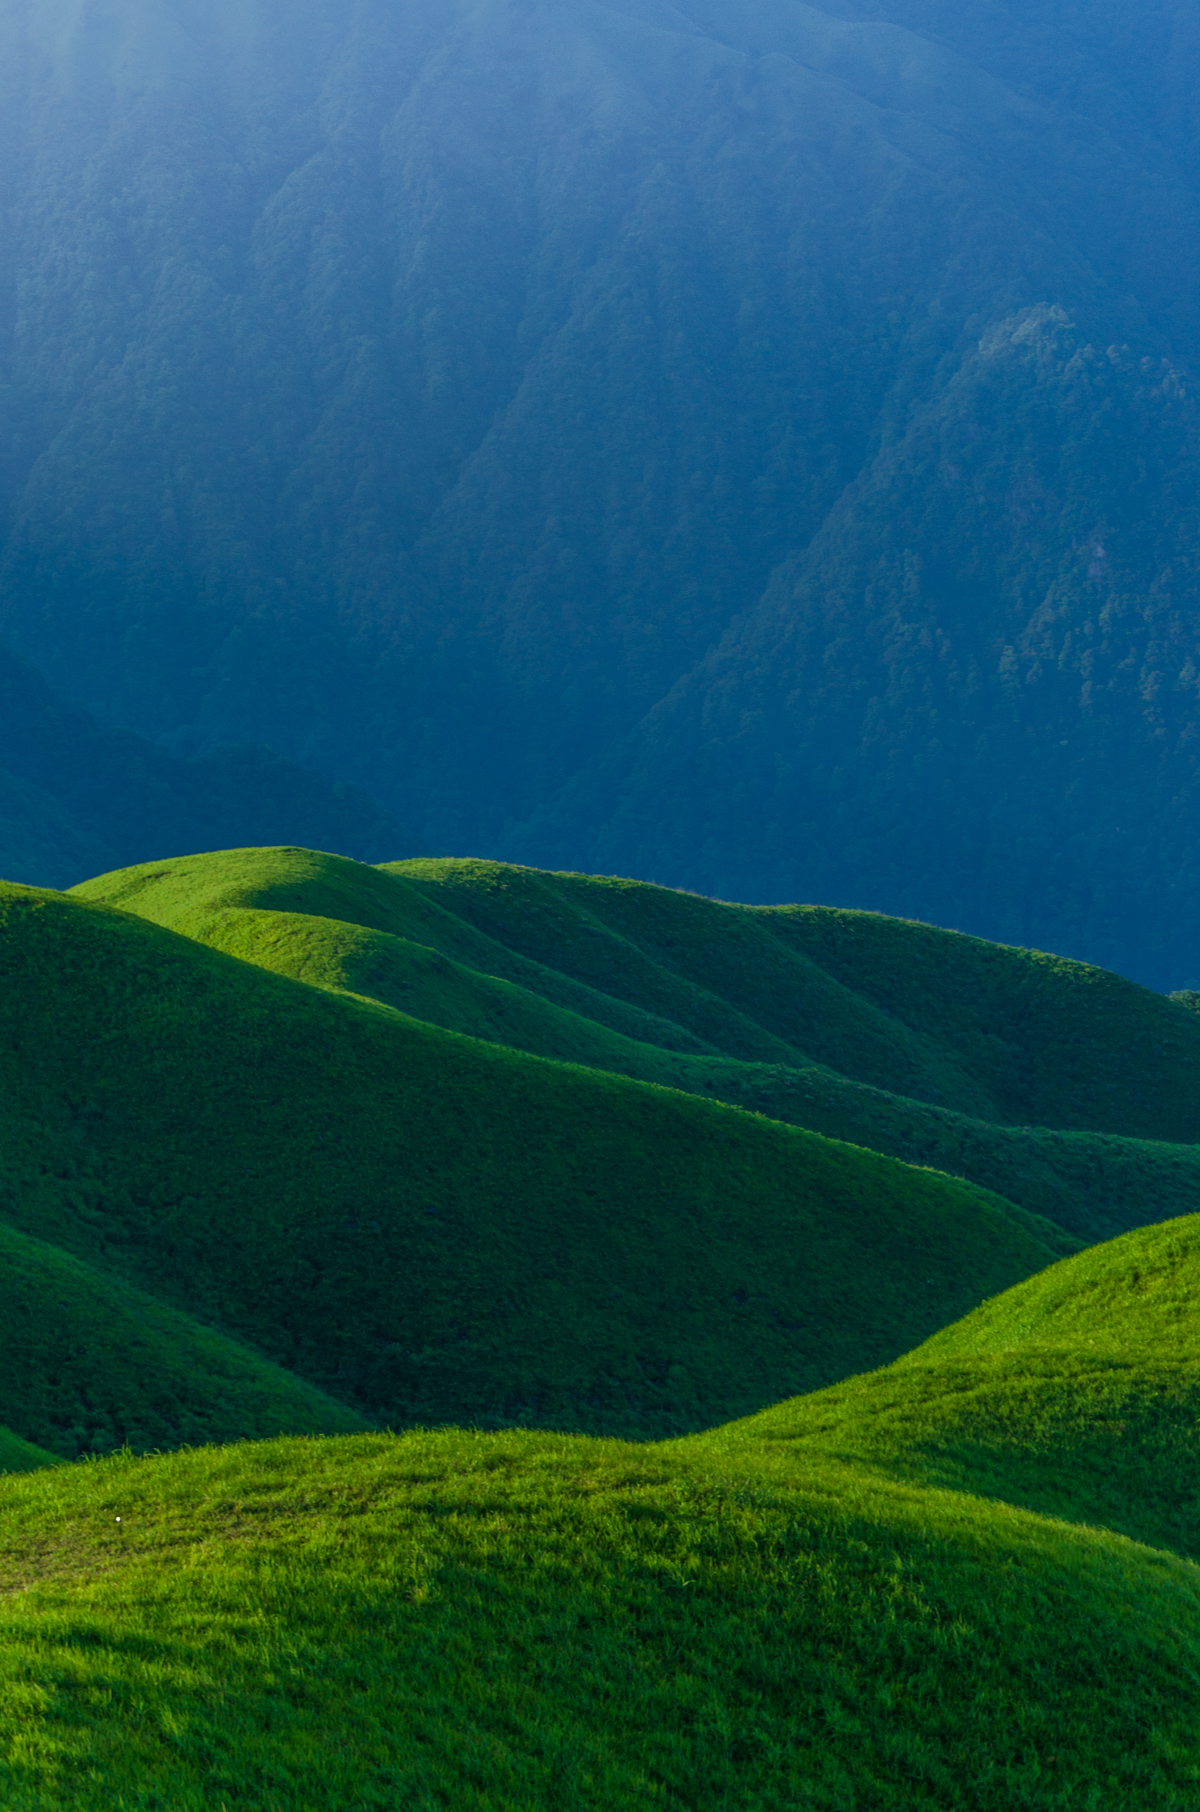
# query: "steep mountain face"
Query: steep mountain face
{"points": [[751, 446], [73, 792], [973, 697]]}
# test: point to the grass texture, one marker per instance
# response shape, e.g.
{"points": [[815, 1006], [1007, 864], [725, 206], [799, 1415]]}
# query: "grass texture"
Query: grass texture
{"points": [[1076, 1394], [1059, 1086], [801, 1611], [89, 1364], [422, 1225]]}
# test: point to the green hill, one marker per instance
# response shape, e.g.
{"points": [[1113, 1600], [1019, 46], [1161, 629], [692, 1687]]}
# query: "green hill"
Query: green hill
{"points": [[17, 1455], [801, 1611], [88, 1364], [1076, 1394], [431, 1228], [1059, 1086]]}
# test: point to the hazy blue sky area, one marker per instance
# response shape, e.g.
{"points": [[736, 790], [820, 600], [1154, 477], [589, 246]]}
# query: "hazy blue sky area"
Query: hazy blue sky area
{"points": [[747, 445]]}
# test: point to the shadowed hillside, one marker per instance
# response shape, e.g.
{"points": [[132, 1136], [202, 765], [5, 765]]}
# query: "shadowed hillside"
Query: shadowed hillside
{"points": [[89, 1364], [17, 1455], [1076, 1394], [76, 797], [429, 1227]]}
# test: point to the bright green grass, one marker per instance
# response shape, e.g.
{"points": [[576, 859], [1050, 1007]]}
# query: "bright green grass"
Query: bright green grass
{"points": [[1076, 1393], [469, 946], [992, 1031], [431, 1228], [88, 1364], [1090, 1184], [961, 1583], [853, 1600], [515, 1622]]}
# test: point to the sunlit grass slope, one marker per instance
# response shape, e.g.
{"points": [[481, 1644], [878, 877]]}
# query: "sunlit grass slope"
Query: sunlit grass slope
{"points": [[1006, 1034], [432, 1228], [962, 1582], [507, 1622], [922, 1044], [1076, 1394]]}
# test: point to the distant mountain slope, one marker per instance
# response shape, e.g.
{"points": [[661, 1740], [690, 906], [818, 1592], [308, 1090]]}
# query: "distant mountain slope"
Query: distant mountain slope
{"points": [[747, 444], [75, 797], [430, 1227], [1064, 1088], [972, 696], [843, 1602]]}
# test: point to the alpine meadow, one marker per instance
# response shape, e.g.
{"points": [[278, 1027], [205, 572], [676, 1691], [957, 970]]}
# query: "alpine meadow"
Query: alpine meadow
{"points": [[599, 962], [787, 1470]]}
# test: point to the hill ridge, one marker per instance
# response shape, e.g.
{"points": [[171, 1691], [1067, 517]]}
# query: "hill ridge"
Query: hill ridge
{"points": [[949, 1017], [430, 1227]]}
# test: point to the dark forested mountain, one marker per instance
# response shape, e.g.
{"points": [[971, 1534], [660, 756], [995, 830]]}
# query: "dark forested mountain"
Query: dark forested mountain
{"points": [[73, 791], [748, 445]]}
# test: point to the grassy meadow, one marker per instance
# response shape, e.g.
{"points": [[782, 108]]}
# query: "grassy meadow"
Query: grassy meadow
{"points": [[509, 1358], [430, 1227], [797, 1611], [1061, 1087]]}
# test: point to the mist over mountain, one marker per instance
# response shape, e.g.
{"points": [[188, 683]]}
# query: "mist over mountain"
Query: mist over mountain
{"points": [[753, 447]]}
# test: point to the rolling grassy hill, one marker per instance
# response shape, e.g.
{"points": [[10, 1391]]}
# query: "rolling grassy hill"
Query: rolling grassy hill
{"points": [[422, 1225], [1059, 1086], [1076, 1394], [852, 1600], [293, 1143], [90, 1364]]}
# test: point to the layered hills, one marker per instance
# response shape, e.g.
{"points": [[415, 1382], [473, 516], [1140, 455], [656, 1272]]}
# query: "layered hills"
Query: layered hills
{"points": [[787, 1472], [896, 1593], [751, 446], [308, 1145], [1061, 1087], [1074, 1394], [423, 1225]]}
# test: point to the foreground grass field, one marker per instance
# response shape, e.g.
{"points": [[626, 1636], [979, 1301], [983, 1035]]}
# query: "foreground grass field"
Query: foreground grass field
{"points": [[290, 1144], [795, 1612], [1056, 1085]]}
